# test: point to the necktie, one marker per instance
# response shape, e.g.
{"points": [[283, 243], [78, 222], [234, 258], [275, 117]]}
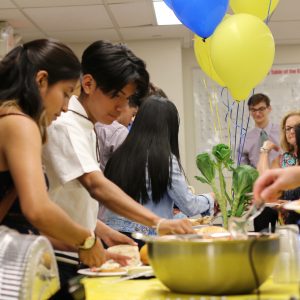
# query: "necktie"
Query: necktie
{"points": [[263, 137]]}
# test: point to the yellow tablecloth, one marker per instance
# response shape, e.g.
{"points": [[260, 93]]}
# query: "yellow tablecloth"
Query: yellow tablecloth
{"points": [[152, 289]]}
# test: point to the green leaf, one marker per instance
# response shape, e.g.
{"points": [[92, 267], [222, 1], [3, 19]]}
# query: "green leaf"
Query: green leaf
{"points": [[202, 179], [222, 153], [206, 166], [243, 179]]}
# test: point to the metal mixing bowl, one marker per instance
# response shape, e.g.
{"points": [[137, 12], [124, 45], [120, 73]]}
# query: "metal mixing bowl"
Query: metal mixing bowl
{"points": [[214, 267]]}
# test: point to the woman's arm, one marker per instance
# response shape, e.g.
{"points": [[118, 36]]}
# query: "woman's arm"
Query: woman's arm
{"points": [[182, 196], [109, 194], [263, 162], [22, 152]]}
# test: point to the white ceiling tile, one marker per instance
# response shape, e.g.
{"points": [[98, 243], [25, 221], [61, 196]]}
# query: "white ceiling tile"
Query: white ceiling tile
{"points": [[15, 18], [282, 30], [132, 14], [123, 1], [54, 3], [126, 20], [154, 32], [85, 36], [287, 10], [29, 35], [6, 4], [70, 18]]}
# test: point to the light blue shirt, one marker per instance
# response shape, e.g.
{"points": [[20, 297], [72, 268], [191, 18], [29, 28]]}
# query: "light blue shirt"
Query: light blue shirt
{"points": [[179, 194]]}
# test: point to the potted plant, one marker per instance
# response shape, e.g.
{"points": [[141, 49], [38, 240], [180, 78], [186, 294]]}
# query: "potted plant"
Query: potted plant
{"points": [[232, 202]]}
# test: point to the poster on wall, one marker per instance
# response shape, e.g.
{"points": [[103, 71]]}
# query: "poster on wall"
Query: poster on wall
{"points": [[219, 119]]}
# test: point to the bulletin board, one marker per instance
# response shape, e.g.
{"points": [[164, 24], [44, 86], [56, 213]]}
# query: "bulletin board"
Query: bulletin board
{"points": [[220, 119]]}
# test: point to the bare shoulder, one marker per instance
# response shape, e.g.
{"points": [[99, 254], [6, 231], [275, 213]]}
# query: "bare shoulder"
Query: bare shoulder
{"points": [[19, 127]]}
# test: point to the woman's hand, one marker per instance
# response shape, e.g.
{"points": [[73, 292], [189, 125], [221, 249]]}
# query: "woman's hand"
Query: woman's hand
{"points": [[97, 256], [269, 186], [112, 237], [93, 257], [179, 226], [269, 145], [119, 258]]}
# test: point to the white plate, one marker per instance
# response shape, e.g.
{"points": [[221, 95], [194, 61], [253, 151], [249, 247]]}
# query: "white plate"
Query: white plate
{"points": [[88, 272], [272, 204], [293, 205]]}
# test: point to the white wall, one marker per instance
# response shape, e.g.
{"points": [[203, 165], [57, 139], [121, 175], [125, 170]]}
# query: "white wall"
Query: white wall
{"points": [[170, 68], [285, 54]]}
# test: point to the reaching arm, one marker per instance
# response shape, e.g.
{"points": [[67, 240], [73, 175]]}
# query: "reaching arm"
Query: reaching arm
{"points": [[269, 186], [22, 152], [189, 203], [106, 192], [263, 162]]}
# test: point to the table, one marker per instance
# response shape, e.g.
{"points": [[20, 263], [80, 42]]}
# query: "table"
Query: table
{"points": [[104, 288]]}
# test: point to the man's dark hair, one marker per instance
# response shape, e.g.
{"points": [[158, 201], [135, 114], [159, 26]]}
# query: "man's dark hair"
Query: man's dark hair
{"points": [[113, 66], [258, 98]]}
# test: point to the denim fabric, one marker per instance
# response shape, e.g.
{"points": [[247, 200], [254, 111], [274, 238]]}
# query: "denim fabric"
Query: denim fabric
{"points": [[178, 194]]}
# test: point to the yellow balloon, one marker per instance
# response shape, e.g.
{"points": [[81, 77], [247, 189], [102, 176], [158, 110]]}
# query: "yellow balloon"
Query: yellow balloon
{"points": [[242, 53], [202, 53], [259, 8]]}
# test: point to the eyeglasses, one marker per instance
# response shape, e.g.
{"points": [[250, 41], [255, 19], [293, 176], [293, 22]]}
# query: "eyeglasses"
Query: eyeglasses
{"points": [[289, 129], [261, 109]]}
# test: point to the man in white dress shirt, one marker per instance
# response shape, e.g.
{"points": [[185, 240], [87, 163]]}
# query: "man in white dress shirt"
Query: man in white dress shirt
{"points": [[112, 75]]}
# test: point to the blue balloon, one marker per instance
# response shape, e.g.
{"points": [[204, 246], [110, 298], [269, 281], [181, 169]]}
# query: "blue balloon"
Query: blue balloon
{"points": [[200, 16], [168, 2]]}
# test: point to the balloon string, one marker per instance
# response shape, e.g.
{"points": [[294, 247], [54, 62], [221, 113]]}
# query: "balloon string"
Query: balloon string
{"points": [[216, 107], [236, 127], [210, 104], [269, 10], [218, 119], [228, 123], [243, 140]]}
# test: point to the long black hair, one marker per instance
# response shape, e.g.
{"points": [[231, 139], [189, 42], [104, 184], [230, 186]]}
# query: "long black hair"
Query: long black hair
{"points": [[113, 66], [19, 67], [297, 136], [151, 142]]}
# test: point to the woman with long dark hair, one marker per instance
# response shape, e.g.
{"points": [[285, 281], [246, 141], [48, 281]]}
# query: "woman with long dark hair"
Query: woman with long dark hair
{"points": [[147, 167], [36, 81]]}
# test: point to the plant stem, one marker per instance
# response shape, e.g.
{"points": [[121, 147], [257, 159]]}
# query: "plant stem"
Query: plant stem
{"points": [[223, 199]]}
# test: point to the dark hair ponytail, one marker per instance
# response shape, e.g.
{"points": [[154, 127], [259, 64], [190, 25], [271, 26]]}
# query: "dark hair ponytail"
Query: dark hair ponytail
{"points": [[19, 67]]}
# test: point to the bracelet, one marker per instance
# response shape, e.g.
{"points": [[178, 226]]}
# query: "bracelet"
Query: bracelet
{"points": [[264, 150], [156, 227]]}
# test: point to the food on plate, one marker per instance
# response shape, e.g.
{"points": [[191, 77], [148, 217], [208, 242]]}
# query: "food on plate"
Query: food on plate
{"points": [[211, 229], [144, 255], [128, 250], [200, 221], [112, 270]]}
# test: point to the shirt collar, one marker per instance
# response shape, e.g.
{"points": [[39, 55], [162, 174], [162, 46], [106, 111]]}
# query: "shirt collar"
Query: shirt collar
{"points": [[75, 105], [267, 129]]}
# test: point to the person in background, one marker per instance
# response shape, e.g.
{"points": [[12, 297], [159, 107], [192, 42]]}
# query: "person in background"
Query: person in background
{"points": [[289, 157], [36, 80], [270, 185], [111, 136], [249, 153], [260, 110], [147, 167], [111, 75]]}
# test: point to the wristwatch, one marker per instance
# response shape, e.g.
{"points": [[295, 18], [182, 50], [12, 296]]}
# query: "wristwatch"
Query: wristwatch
{"points": [[89, 242], [264, 150]]}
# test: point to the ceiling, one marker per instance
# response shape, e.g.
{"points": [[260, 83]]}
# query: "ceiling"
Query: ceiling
{"points": [[84, 21]]}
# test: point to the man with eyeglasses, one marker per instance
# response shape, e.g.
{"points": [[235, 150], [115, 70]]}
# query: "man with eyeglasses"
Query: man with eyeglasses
{"points": [[260, 109]]}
